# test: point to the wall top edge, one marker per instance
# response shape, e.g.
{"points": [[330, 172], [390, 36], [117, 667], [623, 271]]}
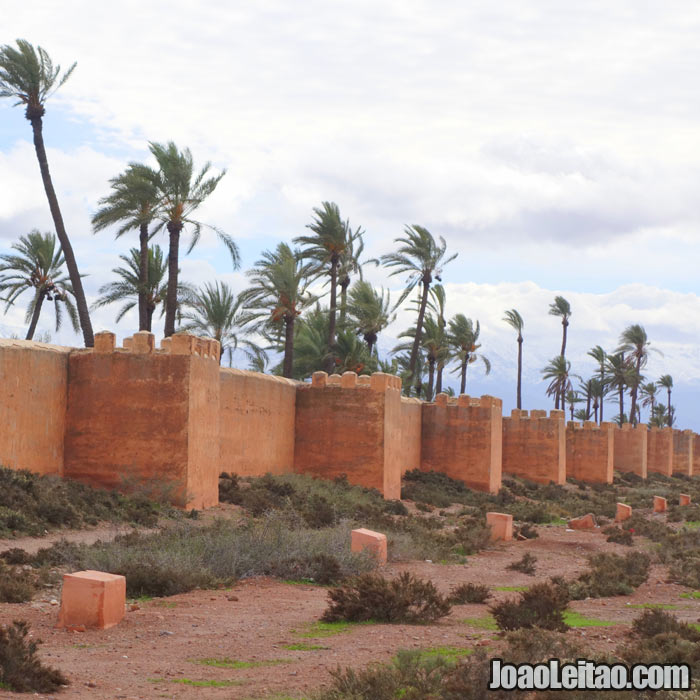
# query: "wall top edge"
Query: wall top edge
{"points": [[34, 345], [232, 371]]}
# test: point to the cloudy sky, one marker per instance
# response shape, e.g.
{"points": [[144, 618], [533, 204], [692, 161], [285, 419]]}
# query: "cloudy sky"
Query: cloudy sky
{"points": [[554, 145]]}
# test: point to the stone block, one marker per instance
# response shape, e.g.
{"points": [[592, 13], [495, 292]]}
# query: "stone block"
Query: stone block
{"points": [[501, 525], [374, 542], [585, 522], [660, 504], [319, 380], [348, 380], [684, 500], [623, 512], [105, 342], [143, 343], [92, 599]]}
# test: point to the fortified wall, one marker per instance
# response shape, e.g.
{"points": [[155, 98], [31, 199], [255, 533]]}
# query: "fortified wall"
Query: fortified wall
{"points": [[172, 418]]}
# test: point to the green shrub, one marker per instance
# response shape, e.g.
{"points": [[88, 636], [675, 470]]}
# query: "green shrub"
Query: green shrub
{"points": [[526, 530], [655, 621], [525, 565], [405, 599], [611, 575], [20, 668], [469, 593], [541, 605], [618, 535]]}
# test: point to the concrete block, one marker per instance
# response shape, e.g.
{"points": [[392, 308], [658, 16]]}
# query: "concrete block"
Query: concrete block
{"points": [[501, 525], [684, 500], [623, 512], [92, 599], [375, 542], [585, 522], [659, 504]]}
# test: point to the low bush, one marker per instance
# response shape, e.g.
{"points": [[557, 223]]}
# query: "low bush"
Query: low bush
{"points": [[541, 605], [654, 621], [439, 490], [525, 565], [611, 575], [618, 535], [405, 599], [469, 593], [525, 530], [21, 669]]}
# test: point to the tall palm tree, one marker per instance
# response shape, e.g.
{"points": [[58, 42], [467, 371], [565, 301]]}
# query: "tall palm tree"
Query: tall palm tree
{"points": [[181, 192], [28, 75], [561, 308], [369, 311], [38, 267], [278, 296], [648, 394], [311, 344], [599, 355], [659, 416], [349, 265], [572, 398], [132, 204], [127, 289], [558, 371], [635, 344], [463, 336], [515, 321], [421, 258], [215, 311], [437, 304], [666, 382], [619, 376], [325, 248]]}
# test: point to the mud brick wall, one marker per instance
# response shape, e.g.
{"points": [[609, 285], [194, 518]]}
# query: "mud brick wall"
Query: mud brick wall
{"points": [[411, 427], [351, 425], [140, 416], [256, 423], [462, 438], [630, 449], [660, 450], [696, 453], [589, 451], [683, 451], [534, 446], [33, 390]]}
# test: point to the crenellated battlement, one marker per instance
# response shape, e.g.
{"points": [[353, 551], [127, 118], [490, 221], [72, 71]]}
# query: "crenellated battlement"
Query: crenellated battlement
{"points": [[537, 414], [464, 401], [144, 343], [590, 425], [377, 381]]}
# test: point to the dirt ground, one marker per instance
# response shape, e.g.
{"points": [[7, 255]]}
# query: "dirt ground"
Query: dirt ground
{"points": [[159, 648]]}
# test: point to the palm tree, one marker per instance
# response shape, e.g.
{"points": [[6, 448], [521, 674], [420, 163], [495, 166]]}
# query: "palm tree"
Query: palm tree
{"points": [[215, 311], [326, 248], [127, 288], [619, 376], [558, 371], [648, 393], [572, 398], [311, 344], [659, 416], [666, 382], [278, 296], [634, 342], [132, 204], [436, 304], [38, 268], [515, 321], [369, 311], [351, 355], [349, 265], [561, 308], [29, 76], [463, 336], [599, 355], [422, 259], [181, 192]]}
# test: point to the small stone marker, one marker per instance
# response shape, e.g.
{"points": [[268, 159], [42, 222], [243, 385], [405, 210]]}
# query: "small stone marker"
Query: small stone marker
{"points": [[585, 522], [501, 525], [375, 542], [659, 504], [92, 599], [684, 500], [623, 512]]}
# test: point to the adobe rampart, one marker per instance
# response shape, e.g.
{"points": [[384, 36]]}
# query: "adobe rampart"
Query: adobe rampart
{"points": [[589, 451], [660, 450], [683, 451], [630, 449]]}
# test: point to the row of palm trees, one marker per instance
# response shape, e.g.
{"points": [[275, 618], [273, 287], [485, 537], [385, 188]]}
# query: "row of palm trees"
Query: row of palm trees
{"points": [[282, 305]]}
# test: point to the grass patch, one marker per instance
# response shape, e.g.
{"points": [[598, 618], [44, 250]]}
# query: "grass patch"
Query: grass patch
{"points": [[449, 653], [234, 663], [517, 589], [483, 623], [575, 619], [197, 684], [300, 646], [653, 606], [692, 595], [328, 629]]}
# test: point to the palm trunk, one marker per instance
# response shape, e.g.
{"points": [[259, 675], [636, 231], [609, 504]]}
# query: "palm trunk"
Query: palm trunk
{"points": [[571, 411], [419, 333], [370, 339], [463, 384], [344, 300], [68, 255], [331, 316], [595, 409], [563, 404], [520, 372], [431, 379], [35, 315], [668, 407], [143, 278], [635, 386], [438, 383], [174, 229], [622, 402], [564, 324], [149, 316], [588, 405], [288, 347], [602, 389]]}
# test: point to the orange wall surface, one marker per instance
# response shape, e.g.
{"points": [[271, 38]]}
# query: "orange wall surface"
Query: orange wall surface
{"points": [[534, 447], [462, 438], [411, 427], [660, 451], [696, 453], [256, 423], [683, 452], [630, 452], [589, 452], [33, 388], [353, 430]]}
